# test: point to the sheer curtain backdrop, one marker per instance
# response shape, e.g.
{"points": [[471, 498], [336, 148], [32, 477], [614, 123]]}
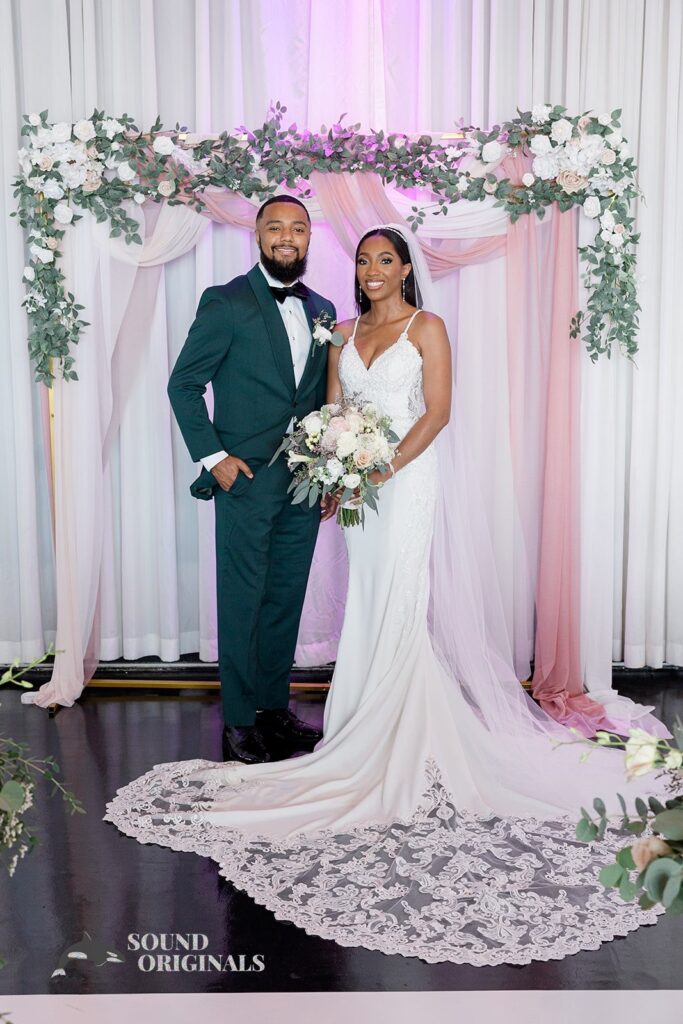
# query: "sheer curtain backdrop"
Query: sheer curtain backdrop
{"points": [[398, 65]]}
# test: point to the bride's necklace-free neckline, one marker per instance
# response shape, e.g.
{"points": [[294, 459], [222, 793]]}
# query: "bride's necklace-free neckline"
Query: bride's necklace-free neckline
{"points": [[376, 358]]}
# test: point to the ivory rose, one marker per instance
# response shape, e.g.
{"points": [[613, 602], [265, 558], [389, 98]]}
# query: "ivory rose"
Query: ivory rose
{"points": [[608, 157], [84, 130], [362, 458], [648, 849], [351, 480], [528, 180], [561, 130], [166, 188]]}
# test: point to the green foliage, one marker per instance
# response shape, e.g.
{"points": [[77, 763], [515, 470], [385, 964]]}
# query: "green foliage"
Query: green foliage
{"points": [[257, 163]]}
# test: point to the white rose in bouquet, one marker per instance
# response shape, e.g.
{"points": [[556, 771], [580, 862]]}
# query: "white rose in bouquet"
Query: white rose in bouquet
{"points": [[335, 469], [347, 443], [313, 424], [166, 188], [528, 180], [354, 420], [351, 480]]}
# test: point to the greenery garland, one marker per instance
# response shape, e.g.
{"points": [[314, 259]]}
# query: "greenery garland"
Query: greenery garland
{"points": [[101, 163]]}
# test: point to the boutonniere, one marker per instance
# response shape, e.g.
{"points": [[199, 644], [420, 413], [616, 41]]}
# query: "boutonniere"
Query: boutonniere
{"points": [[324, 332]]}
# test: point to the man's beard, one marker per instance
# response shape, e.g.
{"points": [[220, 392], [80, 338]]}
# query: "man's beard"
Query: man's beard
{"points": [[284, 272]]}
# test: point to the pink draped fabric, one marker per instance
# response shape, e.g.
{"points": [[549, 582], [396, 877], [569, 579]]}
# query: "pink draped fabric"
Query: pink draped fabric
{"points": [[357, 201]]}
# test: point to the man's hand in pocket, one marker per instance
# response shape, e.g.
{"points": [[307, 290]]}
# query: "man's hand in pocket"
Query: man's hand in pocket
{"points": [[227, 470]]}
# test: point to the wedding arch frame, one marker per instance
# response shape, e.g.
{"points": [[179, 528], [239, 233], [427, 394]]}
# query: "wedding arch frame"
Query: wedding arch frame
{"points": [[541, 161]]}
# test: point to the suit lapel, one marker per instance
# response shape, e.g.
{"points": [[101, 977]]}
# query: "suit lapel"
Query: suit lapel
{"points": [[277, 334]]}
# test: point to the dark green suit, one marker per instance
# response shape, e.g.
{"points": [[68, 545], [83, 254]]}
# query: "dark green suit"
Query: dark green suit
{"points": [[264, 544]]}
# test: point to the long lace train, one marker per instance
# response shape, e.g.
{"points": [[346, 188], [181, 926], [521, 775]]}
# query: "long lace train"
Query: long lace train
{"points": [[443, 885]]}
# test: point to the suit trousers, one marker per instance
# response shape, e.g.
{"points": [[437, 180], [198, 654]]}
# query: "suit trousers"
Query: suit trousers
{"points": [[264, 549]]}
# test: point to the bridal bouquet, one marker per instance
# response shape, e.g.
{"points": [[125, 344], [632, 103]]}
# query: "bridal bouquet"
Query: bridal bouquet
{"points": [[334, 451]]}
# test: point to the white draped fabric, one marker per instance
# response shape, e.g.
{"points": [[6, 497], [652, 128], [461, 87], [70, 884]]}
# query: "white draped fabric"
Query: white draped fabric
{"points": [[212, 65]]}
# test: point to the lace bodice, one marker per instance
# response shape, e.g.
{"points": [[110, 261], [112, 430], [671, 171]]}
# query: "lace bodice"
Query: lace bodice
{"points": [[393, 382]]}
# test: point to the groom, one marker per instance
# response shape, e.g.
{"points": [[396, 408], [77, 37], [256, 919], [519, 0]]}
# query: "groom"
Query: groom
{"points": [[252, 339]]}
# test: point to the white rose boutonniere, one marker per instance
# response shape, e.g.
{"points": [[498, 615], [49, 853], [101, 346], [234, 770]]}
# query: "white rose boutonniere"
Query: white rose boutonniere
{"points": [[324, 332]]}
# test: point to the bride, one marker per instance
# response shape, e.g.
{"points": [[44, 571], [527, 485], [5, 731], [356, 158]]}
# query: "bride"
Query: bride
{"points": [[436, 816]]}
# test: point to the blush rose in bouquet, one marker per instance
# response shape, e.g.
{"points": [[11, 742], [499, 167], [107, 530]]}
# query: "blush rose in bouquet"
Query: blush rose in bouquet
{"points": [[333, 451]]}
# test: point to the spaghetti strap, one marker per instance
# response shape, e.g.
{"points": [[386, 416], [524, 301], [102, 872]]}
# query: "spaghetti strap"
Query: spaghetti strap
{"points": [[408, 325], [352, 337]]}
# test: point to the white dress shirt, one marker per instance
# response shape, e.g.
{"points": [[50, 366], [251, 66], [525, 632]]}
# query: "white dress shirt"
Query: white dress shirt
{"points": [[299, 334]]}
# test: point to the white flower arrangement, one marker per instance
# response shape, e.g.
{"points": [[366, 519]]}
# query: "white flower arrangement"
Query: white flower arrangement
{"points": [[101, 162], [333, 451]]}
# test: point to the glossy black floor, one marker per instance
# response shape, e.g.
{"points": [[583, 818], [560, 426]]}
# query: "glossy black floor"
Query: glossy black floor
{"points": [[86, 876]]}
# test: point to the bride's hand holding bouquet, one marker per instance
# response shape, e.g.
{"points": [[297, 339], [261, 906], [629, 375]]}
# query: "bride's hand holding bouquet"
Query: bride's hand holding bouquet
{"points": [[340, 454]]}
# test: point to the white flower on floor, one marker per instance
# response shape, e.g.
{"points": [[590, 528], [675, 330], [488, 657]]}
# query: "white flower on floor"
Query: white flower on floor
{"points": [[641, 753]]}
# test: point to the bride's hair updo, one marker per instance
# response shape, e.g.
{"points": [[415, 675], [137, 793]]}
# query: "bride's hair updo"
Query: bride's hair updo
{"points": [[401, 246]]}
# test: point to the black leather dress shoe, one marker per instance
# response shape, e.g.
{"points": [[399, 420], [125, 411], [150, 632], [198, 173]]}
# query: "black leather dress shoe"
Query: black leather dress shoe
{"points": [[244, 743], [282, 725]]}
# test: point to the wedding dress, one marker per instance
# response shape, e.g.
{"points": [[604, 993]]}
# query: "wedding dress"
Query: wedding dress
{"points": [[415, 826]]}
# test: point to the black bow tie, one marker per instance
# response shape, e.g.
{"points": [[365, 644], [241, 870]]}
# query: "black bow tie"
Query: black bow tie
{"points": [[298, 290]]}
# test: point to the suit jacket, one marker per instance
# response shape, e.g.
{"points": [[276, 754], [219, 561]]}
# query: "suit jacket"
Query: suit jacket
{"points": [[238, 342]]}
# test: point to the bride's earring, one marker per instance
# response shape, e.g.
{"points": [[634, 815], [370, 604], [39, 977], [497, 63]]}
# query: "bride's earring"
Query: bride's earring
{"points": [[360, 294], [403, 288]]}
